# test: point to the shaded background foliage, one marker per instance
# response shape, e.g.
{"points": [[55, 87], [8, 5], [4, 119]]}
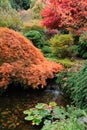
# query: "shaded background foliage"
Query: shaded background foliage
{"points": [[82, 45], [9, 16], [20, 4]]}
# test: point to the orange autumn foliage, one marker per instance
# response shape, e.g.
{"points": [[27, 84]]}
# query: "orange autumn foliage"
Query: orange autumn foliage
{"points": [[21, 62]]}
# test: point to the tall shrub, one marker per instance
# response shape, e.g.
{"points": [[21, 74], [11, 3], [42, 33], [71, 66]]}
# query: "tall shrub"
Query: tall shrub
{"points": [[64, 14]]}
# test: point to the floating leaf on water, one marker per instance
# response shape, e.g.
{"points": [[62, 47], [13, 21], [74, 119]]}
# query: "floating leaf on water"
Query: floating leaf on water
{"points": [[5, 113], [40, 105], [29, 118], [12, 126]]}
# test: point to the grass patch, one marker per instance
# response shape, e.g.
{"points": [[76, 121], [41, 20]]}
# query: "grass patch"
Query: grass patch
{"points": [[66, 62]]}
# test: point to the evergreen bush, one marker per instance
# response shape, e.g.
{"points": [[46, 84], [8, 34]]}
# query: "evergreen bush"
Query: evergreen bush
{"points": [[46, 49], [20, 4], [37, 38], [40, 29], [62, 45]]}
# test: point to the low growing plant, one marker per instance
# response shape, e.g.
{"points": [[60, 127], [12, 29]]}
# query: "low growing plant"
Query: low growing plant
{"points": [[71, 124], [54, 116], [67, 63], [40, 112]]}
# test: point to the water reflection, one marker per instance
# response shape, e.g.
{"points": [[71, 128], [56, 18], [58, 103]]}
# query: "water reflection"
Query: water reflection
{"points": [[15, 100]]}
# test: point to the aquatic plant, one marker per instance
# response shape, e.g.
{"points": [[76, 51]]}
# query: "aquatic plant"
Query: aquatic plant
{"points": [[56, 117], [21, 62], [40, 112]]}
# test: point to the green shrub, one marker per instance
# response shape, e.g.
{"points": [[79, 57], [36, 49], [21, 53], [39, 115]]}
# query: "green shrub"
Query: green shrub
{"points": [[20, 4], [9, 17], [76, 87], [62, 45], [71, 124], [40, 29], [67, 63], [46, 50], [82, 46], [55, 117], [37, 38]]}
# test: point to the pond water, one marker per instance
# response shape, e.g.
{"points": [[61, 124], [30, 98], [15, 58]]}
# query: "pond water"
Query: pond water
{"points": [[15, 100]]}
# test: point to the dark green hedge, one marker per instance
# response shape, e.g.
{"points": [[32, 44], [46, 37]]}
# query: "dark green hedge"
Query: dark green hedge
{"points": [[20, 4]]}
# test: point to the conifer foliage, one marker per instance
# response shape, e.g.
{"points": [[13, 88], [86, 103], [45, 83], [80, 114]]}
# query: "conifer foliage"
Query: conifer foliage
{"points": [[21, 62]]}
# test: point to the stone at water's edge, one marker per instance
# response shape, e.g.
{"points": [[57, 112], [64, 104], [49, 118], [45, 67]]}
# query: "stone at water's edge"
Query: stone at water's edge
{"points": [[83, 120], [21, 62]]}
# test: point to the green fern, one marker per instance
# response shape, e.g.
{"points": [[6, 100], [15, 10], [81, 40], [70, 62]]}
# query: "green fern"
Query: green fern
{"points": [[76, 87]]}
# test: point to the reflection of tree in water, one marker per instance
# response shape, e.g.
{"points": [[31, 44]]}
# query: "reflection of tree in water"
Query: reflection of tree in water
{"points": [[15, 100]]}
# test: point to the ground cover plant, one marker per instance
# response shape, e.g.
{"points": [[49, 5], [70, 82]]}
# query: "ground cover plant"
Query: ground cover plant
{"points": [[55, 117]]}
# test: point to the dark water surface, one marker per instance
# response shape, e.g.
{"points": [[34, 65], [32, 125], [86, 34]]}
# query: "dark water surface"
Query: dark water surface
{"points": [[15, 101]]}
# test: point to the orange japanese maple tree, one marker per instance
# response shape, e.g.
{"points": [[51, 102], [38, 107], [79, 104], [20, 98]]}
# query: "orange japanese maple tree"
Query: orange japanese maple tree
{"points": [[65, 14], [21, 62]]}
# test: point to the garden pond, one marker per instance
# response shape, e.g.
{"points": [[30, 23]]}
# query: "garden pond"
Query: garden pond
{"points": [[15, 100]]}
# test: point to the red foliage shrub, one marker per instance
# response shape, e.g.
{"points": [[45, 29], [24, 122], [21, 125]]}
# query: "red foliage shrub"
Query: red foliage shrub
{"points": [[64, 14], [21, 62]]}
